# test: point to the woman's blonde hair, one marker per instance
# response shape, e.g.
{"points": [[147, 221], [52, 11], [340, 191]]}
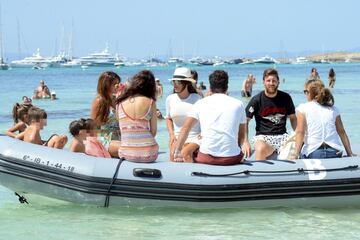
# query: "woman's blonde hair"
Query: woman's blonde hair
{"points": [[319, 93]]}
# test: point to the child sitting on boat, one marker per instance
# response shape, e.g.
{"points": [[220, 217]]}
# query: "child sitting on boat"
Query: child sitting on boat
{"points": [[85, 138], [37, 121], [78, 130], [20, 117], [93, 146]]}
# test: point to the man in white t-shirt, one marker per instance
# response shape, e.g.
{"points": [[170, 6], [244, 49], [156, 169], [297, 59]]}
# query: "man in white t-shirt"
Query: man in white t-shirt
{"points": [[223, 125]]}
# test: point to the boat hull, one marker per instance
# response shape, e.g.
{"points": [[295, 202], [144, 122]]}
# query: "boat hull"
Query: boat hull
{"points": [[78, 178]]}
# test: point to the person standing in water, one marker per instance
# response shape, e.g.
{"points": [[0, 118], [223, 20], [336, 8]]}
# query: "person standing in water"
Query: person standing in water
{"points": [[42, 91], [332, 78], [246, 90], [314, 75]]}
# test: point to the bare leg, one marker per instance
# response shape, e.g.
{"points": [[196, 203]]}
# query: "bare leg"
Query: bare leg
{"points": [[61, 142], [114, 148], [262, 150]]}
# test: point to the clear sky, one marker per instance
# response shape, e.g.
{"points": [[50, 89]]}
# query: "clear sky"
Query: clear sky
{"points": [[139, 28]]}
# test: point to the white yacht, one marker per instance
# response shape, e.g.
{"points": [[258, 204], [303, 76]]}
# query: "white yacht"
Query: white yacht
{"points": [[75, 62], [301, 60], [35, 60], [266, 60], [175, 60], [103, 58], [58, 60], [324, 61]]}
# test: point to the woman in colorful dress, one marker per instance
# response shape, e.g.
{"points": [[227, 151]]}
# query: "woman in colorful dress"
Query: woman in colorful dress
{"points": [[136, 112]]}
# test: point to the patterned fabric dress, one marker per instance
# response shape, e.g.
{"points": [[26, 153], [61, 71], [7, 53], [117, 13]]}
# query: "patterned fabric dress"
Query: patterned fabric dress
{"points": [[109, 131], [137, 142]]}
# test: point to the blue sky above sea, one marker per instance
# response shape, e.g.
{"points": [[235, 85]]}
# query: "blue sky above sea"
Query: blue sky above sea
{"points": [[139, 28]]}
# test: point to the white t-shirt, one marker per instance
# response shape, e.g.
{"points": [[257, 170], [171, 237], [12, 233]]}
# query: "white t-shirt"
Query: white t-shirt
{"points": [[177, 109], [220, 117], [321, 127]]}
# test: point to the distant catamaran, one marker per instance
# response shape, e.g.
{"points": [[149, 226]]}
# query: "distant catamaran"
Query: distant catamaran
{"points": [[3, 65]]}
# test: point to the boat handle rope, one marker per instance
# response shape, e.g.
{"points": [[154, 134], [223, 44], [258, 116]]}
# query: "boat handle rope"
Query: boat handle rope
{"points": [[299, 170], [107, 198]]}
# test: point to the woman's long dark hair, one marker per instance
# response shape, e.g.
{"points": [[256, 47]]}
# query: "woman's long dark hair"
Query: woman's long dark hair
{"points": [[143, 83], [106, 80], [190, 87], [20, 111]]}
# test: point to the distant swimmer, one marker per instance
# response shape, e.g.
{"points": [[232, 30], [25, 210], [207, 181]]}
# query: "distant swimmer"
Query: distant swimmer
{"points": [[159, 88], [314, 75], [199, 89], [246, 90], [159, 114], [26, 100], [202, 86], [331, 78], [53, 96], [42, 91]]}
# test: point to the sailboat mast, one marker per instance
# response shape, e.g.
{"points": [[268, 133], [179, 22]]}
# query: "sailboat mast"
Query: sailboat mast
{"points": [[70, 50], [1, 40], [18, 37]]}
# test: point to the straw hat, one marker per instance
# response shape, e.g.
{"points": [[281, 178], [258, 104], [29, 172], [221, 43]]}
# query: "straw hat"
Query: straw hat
{"points": [[182, 74]]}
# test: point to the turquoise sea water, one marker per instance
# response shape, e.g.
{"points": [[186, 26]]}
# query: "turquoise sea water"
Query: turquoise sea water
{"points": [[50, 219]]}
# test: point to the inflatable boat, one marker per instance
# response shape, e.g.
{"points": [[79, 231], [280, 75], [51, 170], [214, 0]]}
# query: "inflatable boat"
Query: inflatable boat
{"points": [[32, 169]]}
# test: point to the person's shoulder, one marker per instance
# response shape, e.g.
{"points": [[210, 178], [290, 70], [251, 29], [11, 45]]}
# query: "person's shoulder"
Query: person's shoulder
{"points": [[307, 106], [284, 94], [143, 99], [195, 96], [336, 110], [302, 106], [238, 103], [258, 96], [172, 97], [20, 124]]}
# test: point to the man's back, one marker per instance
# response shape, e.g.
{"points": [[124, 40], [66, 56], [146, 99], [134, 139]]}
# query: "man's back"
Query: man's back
{"points": [[219, 116], [32, 135]]}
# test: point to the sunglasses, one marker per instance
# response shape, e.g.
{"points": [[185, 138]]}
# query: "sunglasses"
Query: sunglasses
{"points": [[177, 82], [306, 91]]}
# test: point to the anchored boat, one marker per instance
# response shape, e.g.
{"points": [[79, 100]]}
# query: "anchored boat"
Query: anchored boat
{"points": [[32, 169]]}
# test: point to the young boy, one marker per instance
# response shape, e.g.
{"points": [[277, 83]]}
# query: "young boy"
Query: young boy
{"points": [[37, 120], [79, 132]]}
